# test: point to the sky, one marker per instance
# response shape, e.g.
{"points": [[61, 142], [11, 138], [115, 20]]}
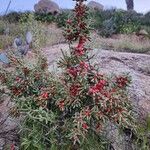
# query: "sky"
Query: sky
{"points": [[23, 5]]}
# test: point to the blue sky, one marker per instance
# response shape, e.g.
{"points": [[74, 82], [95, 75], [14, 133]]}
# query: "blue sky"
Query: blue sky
{"points": [[21, 5]]}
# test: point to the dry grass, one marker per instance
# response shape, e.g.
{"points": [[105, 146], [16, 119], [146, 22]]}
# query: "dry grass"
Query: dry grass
{"points": [[124, 43]]}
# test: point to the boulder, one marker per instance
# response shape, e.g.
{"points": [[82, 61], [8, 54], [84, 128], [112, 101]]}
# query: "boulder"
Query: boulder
{"points": [[95, 5], [46, 6]]}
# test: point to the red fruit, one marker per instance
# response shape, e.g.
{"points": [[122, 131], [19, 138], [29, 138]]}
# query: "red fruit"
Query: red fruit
{"points": [[45, 95], [73, 71], [83, 65], [98, 87], [85, 126], [69, 21], [87, 113], [98, 127], [122, 81], [74, 90], [68, 31], [12, 147], [61, 105], [18, 79]]}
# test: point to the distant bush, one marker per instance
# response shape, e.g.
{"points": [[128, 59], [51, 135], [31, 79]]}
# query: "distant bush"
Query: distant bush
{"points": [[120, 22], [108, 28], [145, 20], [14, 17], [44, 17], [126, 21], [129, 28], [61, 18], [98, 17]]}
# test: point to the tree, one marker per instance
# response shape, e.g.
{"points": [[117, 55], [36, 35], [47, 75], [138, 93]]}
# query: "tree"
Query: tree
{"points": [[130, 4]]}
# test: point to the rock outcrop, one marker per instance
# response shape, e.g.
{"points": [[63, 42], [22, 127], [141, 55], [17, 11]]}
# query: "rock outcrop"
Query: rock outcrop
{"points": [[95, 5], [46, 6]]}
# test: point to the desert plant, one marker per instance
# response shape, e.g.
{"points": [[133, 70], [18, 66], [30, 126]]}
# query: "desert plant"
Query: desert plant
{"points": [[97, 18], [61, 112]]}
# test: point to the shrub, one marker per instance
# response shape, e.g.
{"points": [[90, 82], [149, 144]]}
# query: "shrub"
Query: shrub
{"points": [[145, 20], [95, 19], [121, 22], [98, 17], [44, 17], [60, 112], [14, 17], [61, 18], [127, 22], [109, 28], [129, 28]]}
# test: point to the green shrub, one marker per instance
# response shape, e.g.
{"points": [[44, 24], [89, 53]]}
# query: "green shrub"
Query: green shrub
{"points": [[96, 19], [121, 22], [109, 28], [129, 28], [44, 17], [126, 21], [14, 17], [61, 18], [145, 20]]}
